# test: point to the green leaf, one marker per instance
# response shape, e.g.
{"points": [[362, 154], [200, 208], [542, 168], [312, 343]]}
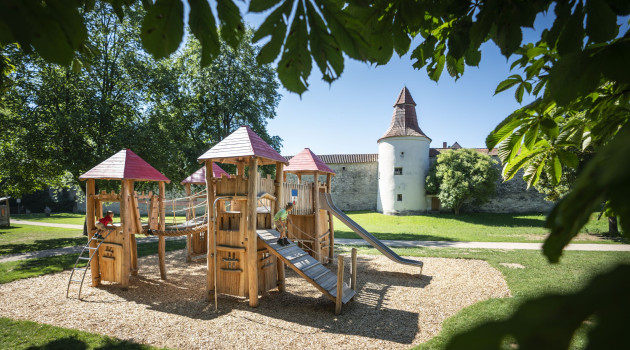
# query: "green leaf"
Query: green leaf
{"points": [[424, 52], [567, 158], [531, 136], [163, 28], [614, 61], [203, 26], [565, 85], [295, 65], [459, 38], [473, 57], [508, 38], [345, 29], [518, 94], [508, 83], [601, 21], [620, 7], [534, 69], [504, 129], [605, 176], [455, 67], [556, 170], [275, 26], [232, 27], [435, 69], [324, 49], [572, 34], [541, 83], [262, 5]]}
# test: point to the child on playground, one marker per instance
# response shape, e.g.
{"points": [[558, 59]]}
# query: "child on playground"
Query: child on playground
{"points": [[280, 221], [102, 224]]}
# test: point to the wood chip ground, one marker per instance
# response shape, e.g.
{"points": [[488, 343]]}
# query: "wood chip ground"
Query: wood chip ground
{"points": [[394, 309]]}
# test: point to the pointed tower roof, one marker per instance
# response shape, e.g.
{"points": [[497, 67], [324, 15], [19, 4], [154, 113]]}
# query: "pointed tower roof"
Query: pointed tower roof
{"points": [[404, 121], [241, 144], [307, 161], [199, 176], [124, 165]]}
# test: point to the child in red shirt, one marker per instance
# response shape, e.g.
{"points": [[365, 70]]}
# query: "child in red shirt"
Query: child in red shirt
{"points": [[102, 223]]}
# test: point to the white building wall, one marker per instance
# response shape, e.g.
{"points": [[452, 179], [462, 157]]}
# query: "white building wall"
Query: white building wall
{"points": [[411, 153]]}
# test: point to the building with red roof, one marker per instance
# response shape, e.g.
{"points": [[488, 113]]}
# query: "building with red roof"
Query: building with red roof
{"points": [[124, 165]]}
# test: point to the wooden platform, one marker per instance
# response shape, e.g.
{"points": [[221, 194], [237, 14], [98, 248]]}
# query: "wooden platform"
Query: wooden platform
{"points": [[305, 265]]}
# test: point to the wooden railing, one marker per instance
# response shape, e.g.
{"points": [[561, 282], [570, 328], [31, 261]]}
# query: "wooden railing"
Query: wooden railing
{"points": [[303, 203]]}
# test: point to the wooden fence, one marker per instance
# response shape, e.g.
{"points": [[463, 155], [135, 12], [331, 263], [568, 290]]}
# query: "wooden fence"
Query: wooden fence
{"points": [[303, 204]]}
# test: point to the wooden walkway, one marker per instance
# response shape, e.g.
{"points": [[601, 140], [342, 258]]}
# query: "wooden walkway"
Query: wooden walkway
{"points": [[305, 265]]}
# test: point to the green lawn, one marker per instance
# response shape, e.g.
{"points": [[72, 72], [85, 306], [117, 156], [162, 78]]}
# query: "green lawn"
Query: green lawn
{"points": [[20, 238], [470, 227], [537, 278], [30, 335], [57, 218]]}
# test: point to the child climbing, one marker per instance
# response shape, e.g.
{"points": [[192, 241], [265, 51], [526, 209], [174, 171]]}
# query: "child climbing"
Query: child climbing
{"points": [[102, 224], [280, 221]]}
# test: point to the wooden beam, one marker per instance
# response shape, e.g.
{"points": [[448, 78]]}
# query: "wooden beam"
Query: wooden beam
{"points": [[210, 257], [339, 299], [89, 216], [317, 247], [188, 217], [162, 239], [125, 222], [353, 277], [240, 169], [280, 175], [252, 237], [137, 228]]}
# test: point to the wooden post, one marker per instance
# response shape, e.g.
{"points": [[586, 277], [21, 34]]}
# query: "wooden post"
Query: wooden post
{"points": [[189, 217], [353, 276], [135, 227], [125, 222], [161, 239], [279, 204], [210, 233], [317, 244], [331, 225], [252, 240], [240, 169], [339, 285], [89, 214]]}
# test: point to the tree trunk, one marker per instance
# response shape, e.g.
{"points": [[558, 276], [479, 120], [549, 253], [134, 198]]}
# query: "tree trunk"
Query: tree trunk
{"points": [[613, 228]]}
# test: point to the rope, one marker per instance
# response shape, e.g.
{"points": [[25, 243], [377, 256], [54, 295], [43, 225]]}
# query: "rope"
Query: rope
{"points": [[304, 246]]}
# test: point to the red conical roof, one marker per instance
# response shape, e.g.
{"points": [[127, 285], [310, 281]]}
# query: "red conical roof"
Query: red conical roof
{"points": [[306, 160], [124, 165], [243, 143], [404, 121], [199, 176]]}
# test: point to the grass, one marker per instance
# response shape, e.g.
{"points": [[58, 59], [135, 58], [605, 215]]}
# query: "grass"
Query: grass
{"points": [[57, 218], [20, 238], [537, 278], [469, 227], [15, 270], [30, 335]]}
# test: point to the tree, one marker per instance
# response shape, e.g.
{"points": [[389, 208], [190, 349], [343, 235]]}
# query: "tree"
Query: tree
{"points": [[462, 176], [579, 65]]}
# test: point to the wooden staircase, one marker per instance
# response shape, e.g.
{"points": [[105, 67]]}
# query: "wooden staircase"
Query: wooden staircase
{"points": [[305, 265]]}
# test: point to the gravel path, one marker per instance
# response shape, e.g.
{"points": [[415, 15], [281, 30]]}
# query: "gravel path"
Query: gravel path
{"points": [[394, 309]]}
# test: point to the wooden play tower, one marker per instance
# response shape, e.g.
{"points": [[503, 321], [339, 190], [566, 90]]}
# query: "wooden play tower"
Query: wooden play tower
{"points": [[197, 243], [312, 228], [117, 257], [243, 256]]}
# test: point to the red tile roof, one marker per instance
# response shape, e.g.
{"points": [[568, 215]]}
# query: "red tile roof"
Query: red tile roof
{"points": [[346, 158], [243, 143], [124, 165], [404, 121], [307, 161], [199, 176]]}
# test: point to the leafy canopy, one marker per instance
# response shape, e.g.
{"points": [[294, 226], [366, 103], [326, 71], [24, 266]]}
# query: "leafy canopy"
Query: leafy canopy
{"points": [[459, 176]]}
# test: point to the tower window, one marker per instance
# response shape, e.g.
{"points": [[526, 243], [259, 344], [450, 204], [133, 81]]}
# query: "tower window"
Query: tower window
{"points": [[399, 197], [397, 171]]}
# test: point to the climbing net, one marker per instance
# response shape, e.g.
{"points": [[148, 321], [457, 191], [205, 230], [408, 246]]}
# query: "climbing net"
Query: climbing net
{"points": [[182, 217], [301, 242]]}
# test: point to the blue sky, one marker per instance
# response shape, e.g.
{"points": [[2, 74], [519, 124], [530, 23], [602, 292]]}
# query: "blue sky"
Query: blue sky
{"points": [[350, 115]]}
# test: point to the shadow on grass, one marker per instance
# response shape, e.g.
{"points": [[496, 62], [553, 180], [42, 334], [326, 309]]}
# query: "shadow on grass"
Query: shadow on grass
{"points": [[38, 217], [392, 236], [41, 244], [491, 219], [72, 343]]}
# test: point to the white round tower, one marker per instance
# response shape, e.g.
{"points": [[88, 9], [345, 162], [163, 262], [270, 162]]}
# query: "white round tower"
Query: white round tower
{"points": [[403, 162]]}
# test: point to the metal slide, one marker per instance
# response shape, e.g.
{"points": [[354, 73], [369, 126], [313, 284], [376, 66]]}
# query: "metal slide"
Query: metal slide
{"points": [[325, 202]]}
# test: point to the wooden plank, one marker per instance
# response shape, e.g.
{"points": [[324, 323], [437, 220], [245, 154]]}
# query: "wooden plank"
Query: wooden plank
{"points": [[125, 216], [252, 237], [227, 248], [90, 221], [316, 245], [338, 301], [211, 241], [161, 239]]}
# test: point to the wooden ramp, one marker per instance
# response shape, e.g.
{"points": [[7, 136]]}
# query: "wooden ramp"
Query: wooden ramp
{"points": [[305, 265]]}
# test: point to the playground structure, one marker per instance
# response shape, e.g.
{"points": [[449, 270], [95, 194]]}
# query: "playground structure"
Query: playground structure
{"points": [[243, 258], [197, 243]]}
